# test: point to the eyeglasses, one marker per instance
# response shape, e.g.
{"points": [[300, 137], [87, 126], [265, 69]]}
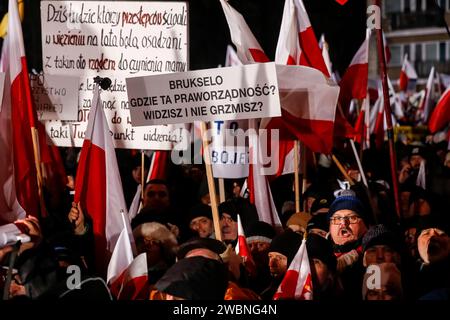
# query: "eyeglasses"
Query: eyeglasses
{"points": [[351, 219]]}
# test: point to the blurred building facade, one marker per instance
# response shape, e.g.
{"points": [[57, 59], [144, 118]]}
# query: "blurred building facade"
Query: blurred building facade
{"points": [[417, 28]]}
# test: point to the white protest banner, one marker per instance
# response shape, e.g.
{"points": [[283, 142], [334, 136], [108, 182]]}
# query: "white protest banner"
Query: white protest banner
{"points": [[2, 86], [55, 97], [240, 92], [229, 152], [115, 39]]}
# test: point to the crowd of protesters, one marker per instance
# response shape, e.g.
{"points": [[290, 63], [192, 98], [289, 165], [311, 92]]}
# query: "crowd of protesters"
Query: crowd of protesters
{"points": [[350, 229]]}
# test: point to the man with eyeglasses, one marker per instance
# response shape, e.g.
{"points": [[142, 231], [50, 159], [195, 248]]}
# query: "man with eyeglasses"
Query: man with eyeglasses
{"points": [[348, 223]]}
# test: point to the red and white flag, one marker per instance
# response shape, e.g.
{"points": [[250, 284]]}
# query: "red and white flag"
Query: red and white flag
{"points": [[124, 251], [378, 129], [259, 190], [424, 110], [10, 208], [98, 186], [308, 107], [362, 125], [441, 113], [248, 48], [18, 117], [158, 165], [408, 76], [354, 82], [297, 282], [297, 43], [242, 248], [132, 283]]}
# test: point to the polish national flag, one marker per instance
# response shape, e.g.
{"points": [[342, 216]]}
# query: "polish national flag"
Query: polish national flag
{"points": [[362, 125], [297, 282], [18, 120], [297, 43], [308, 107], [132, 283], [408, 76], [124, 251], [158, 166], [354, 82], [10, 209], [424, 110], [259, 190], [248, 48], [441, 113], [98, 185], [242, 249], [379, 124]]}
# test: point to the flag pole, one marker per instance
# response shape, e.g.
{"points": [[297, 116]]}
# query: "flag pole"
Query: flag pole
{"points": [[296, 177], [211, 186], [341, 168], [222, 197], [358, 161], [142, 173], [303, 166], [387, 110]]}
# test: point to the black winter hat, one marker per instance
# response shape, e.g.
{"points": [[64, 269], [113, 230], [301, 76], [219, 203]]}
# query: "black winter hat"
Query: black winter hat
{"points": [[320, 248], [201, 243], [319, 221], [287, 244], [380, 235], [320, 203], [200, 210], [230, 208], [195, 278], [260, 231]]}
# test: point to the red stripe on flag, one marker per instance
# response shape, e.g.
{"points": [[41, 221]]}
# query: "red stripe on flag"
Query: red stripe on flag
{"points": [[353, 85], [311, 55], [258, 55], [317, 135], [403, 81], [159, 169], [90, 189], [287, 286], [441, 114], [24, 164]]}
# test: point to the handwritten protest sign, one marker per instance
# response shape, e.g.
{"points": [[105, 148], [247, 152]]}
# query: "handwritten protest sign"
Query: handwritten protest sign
{"points": [[55, 97], [116, 40], [241, 92]]}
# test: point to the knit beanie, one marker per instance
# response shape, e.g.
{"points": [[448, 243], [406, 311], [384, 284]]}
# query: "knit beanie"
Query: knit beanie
{"points": [[380, 235], [348, 201]]}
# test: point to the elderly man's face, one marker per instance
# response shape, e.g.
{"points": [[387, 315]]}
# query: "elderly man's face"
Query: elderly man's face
{"points": [[346, 226], [433, 245], [277, 264], [228, 227]]}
